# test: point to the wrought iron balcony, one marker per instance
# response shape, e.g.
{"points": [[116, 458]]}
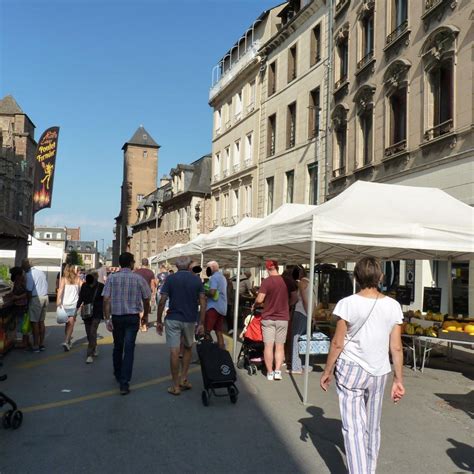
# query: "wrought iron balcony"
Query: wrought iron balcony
{"points": [[396, 148], [226, 173], [397, 32], [365, 60], [438, 130], [236, 168], [248, 163], [338, 172], [340, 82]]}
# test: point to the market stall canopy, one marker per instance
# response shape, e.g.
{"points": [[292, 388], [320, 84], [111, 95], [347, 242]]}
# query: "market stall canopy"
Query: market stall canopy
{"points": [[383, 220], [11, 228], [41, 254]]}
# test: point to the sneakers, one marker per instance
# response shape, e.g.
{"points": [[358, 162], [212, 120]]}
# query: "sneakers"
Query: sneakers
{"points": [[89, 360], [270, 376], [66, 346], [124, 389], [277, 375], [96, 353], [42, 348], [36, 350]]}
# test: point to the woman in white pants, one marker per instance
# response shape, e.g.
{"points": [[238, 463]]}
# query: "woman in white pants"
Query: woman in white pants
{"points": [[368, 326]]}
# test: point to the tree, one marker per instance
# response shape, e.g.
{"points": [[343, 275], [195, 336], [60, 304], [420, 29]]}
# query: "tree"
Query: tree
{"points": [[73, 258]]}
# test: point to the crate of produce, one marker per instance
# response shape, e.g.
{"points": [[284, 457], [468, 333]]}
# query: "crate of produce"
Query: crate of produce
{"points": [[319, 344]]}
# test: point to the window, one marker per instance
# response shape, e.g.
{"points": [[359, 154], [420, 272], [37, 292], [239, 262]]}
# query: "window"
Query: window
{"points": [[292, 63], [314, 113], [366, 21], [228, 114], [38, 236], [399, 18], [238, 104], [235, 206], [366, 129], [140, 197], [182, 218], [48, 235], [342, 59], [291, 125], [226, 161], [225, 209], [236, 164], [271, 135], [364, 98], [313, 183], [217, 166], [248, 200], [272, 78], [58, 235], [145, 153], [441, 82], [188, 217], [218, 120], [251, 97], [398, 116], [248, 149], [290, 185], [315, 47], [339, 122], [269, 201], [87, 258]]}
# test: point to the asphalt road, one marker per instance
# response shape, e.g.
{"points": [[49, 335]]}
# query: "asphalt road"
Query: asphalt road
{"points": [[76, 421]]}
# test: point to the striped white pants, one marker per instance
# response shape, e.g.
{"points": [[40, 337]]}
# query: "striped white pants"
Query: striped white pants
{"points": [[360, 401]]}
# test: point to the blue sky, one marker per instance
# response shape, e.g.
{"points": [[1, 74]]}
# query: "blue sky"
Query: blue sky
{"points": [[99, 69]]}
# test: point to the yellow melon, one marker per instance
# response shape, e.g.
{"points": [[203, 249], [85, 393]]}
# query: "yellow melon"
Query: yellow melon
{"points": [[469, 328]]}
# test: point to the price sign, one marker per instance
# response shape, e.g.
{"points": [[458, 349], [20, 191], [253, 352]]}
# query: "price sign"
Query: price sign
{"points": [[432, 299]]}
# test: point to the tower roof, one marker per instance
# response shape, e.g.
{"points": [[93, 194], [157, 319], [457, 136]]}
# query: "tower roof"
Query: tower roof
{"points": [[9, 106], [141, 138]]}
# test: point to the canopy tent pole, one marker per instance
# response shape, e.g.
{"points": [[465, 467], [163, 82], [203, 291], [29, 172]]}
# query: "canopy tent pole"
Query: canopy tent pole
{"points": [[236, 307], [202, 259], [450, 287], [309, 321]]}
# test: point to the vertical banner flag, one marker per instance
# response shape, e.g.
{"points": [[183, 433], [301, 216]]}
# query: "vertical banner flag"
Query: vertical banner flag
{"points": [[45, 164]]}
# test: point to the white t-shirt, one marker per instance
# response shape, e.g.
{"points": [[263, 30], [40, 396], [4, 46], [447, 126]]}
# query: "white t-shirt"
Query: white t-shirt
{"points": [[369, 346]]}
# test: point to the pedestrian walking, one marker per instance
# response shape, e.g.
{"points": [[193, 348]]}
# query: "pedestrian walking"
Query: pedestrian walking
{"points": [[90, 306], [145, 272], [273, 294], [184, 292], [216, 309], [229, 316], [37, 290], [102, 273], [68, 294], [19, 297], [126, 295], [368, 327], [299, 320]]}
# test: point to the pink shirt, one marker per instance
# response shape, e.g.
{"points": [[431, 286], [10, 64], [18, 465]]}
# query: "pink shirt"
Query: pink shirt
{"points": [[147, 274]]}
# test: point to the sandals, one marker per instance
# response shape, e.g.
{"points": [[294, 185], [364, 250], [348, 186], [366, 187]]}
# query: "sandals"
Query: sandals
{"points": [[174, 391], [185, 385]]}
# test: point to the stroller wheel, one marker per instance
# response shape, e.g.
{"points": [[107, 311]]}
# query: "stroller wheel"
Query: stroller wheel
{"points": [[205, 398], [232, 394], [7, 419], [249, 370], [16, 419], [253, 367]]}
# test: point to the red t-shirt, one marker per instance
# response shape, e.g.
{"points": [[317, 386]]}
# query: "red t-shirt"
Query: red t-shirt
{"points": [[275, 305], [147, 274]]}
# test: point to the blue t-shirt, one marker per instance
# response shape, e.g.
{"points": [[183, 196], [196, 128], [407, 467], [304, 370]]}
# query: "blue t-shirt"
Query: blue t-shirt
{"points": [[183, 289], [219, 283]]}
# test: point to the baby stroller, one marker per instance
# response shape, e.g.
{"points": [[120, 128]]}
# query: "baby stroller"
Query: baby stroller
{"points": [[11, 418], [251, 352]]}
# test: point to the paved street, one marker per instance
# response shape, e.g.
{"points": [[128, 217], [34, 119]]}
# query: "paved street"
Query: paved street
{"points": [[76, 421]]}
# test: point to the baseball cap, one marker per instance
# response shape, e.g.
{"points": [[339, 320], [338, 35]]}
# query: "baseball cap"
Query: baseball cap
{"points": [[271, 263]]}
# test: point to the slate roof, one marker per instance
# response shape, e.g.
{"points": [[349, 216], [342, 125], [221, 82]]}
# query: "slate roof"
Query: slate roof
{"points": [[201, 180], [9, 106], [81, 246], [141, 138]]}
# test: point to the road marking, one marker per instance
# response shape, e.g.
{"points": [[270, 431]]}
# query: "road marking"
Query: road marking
{"points": [[44, 360], [97, 395]]}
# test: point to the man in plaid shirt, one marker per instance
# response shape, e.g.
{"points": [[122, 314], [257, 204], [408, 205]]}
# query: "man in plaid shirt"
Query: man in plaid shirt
{"points": [[126, 295]]}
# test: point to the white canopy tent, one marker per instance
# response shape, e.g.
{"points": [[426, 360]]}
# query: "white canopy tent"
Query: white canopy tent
{"points": [[383, 220]]}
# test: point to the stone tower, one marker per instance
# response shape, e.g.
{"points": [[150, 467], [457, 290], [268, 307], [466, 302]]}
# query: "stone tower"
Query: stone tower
{"points": [[140, 169]]}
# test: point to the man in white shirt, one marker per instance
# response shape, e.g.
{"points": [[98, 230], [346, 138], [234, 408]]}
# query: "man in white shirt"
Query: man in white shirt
{"points": [[102, 273], [37, 289]]}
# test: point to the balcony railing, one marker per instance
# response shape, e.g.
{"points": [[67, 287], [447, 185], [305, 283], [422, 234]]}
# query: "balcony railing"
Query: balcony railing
{"points": [[365, 60], [238, 116], [216, 177], [228, 124], [250, 107], [236, 167], [340, 6], [430, 4], [340, 82], [396, 33], [395, 148], [225, 221], [439, 130], [225, 173], [235, 219], [218, 130], [248, 162], [231, 72]]}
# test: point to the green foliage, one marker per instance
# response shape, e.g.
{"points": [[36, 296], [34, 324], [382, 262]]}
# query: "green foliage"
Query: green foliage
{"points": [[4, 273], [73, 258]]}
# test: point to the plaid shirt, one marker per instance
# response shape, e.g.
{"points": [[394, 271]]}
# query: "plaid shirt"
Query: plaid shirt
{"points": [[126, 291]]}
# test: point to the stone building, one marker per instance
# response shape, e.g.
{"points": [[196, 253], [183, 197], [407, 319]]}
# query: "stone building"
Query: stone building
{"points": [[402, 108], [235, 99], [87, 249], [73, 233], [176, 212], [294, 85], [54, 236], [17, 156], [140, 159]]}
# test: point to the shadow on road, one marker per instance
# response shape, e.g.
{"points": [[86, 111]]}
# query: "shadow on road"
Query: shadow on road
{"points": [[462, 455], [326, 436], [460, 402]]}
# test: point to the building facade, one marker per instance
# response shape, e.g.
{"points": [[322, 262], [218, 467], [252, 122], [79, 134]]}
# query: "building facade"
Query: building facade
{"points": [[88, 251], [73, 233], [294, 86], [54, 236], [402, 109], [17, 157], [140, 159], [176, 212], [235, 97]]}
